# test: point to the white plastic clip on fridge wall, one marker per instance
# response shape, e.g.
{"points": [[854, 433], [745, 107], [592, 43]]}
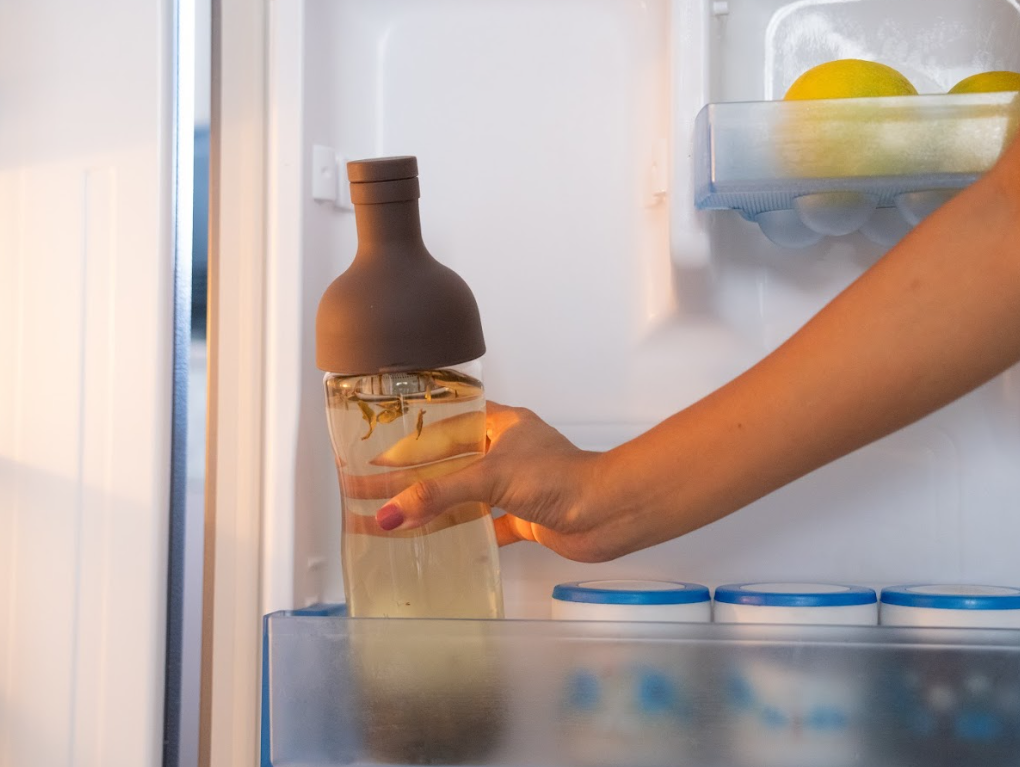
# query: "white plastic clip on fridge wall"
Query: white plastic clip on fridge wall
{"points": [[329, 177]]}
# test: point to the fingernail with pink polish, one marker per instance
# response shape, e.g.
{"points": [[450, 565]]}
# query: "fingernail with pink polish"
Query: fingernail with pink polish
{"points": [[389, 518]]}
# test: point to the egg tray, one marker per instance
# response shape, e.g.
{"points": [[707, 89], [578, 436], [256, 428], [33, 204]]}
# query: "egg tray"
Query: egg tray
{"points": [[804, 170]]}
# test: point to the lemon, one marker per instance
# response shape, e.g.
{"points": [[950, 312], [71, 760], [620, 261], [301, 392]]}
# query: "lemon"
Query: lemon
{"points": [[832, 141], [968, 149], [849, 79], [988, 82], [829, 140]]}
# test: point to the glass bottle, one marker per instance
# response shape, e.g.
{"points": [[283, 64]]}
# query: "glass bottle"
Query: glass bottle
{"points": [[400, 337]]}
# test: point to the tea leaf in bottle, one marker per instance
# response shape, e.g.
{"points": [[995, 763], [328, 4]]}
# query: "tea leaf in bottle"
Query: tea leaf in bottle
{"points": [[369, 415]]}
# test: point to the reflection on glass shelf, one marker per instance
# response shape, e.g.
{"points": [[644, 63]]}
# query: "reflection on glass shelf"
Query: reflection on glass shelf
{"points": [[804, 170], [341, 691]]}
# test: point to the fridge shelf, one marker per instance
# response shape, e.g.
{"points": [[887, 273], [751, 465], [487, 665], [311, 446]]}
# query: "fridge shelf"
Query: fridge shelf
{"points": [[342, 691], [806, 169]]}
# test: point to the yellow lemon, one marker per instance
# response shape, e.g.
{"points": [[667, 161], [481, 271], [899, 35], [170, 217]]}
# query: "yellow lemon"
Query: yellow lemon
{"points": [[968, 149], [848, 79], [831, 140], [988, 82]]}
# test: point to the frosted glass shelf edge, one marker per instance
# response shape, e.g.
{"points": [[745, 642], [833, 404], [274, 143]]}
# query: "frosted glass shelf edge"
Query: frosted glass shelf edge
{"points": [[342, 691]]}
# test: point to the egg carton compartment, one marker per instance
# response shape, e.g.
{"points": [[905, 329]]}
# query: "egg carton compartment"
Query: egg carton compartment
{"points": [[804, 170]]}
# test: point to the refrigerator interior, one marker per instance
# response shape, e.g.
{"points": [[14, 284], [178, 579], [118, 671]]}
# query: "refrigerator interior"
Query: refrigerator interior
{"points": [[555, 146]]}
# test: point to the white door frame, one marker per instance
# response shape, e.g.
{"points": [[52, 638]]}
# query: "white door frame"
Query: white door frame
{"points": [[231, 604]]}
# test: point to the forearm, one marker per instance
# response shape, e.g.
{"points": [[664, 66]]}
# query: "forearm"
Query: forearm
{"points": [[938, 316]]}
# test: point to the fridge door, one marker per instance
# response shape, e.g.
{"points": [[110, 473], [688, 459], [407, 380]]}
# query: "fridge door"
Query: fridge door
{"points": [[88, 230], [556, 148]]}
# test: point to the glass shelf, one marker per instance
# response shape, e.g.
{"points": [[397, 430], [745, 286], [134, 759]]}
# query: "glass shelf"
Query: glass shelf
{"points": [[342, 691], [806, 169]]}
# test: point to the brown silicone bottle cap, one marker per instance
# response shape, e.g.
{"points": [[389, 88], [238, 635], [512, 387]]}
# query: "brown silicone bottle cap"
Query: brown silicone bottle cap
{"points": [[396, 308], [382, 169], [383, 179]]}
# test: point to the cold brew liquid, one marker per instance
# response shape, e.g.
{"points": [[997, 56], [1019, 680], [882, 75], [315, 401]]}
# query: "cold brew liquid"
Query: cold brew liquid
{"points": [[390, 431]]}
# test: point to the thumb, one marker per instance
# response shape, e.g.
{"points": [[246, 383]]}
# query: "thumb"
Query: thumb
{"points": [[422, 502]]}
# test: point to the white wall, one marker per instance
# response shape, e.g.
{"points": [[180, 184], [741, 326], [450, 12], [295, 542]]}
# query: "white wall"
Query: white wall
{"points": [[85, 343]]}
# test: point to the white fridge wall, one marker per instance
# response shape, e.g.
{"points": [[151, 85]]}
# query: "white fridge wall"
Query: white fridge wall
{"points": [[553, 143]]}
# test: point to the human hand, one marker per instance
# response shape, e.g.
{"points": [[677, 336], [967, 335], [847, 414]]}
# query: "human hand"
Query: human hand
{"points": [[548, 488]]}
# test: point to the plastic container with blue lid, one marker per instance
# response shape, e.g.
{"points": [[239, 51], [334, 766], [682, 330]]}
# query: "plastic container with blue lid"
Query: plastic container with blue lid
{"points": [[951, 605], [785, 710], [632, 600], [630, 703], [831, 604]]}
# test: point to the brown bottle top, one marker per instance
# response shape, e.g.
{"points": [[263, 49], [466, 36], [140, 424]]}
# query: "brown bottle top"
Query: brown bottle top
{"points": [[396, 308]]}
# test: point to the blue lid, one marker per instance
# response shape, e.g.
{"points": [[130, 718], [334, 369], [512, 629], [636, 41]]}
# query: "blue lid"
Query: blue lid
{"points": [[630, 592], [795, 595], [953, 597]]}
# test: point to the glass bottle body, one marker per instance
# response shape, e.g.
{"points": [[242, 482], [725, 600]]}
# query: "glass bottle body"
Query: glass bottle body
{"points": [[390, 431]]}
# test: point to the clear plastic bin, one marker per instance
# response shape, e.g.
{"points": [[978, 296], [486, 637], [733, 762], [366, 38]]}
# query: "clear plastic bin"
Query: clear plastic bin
{"points": [[806, 169], [340, 691]]}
